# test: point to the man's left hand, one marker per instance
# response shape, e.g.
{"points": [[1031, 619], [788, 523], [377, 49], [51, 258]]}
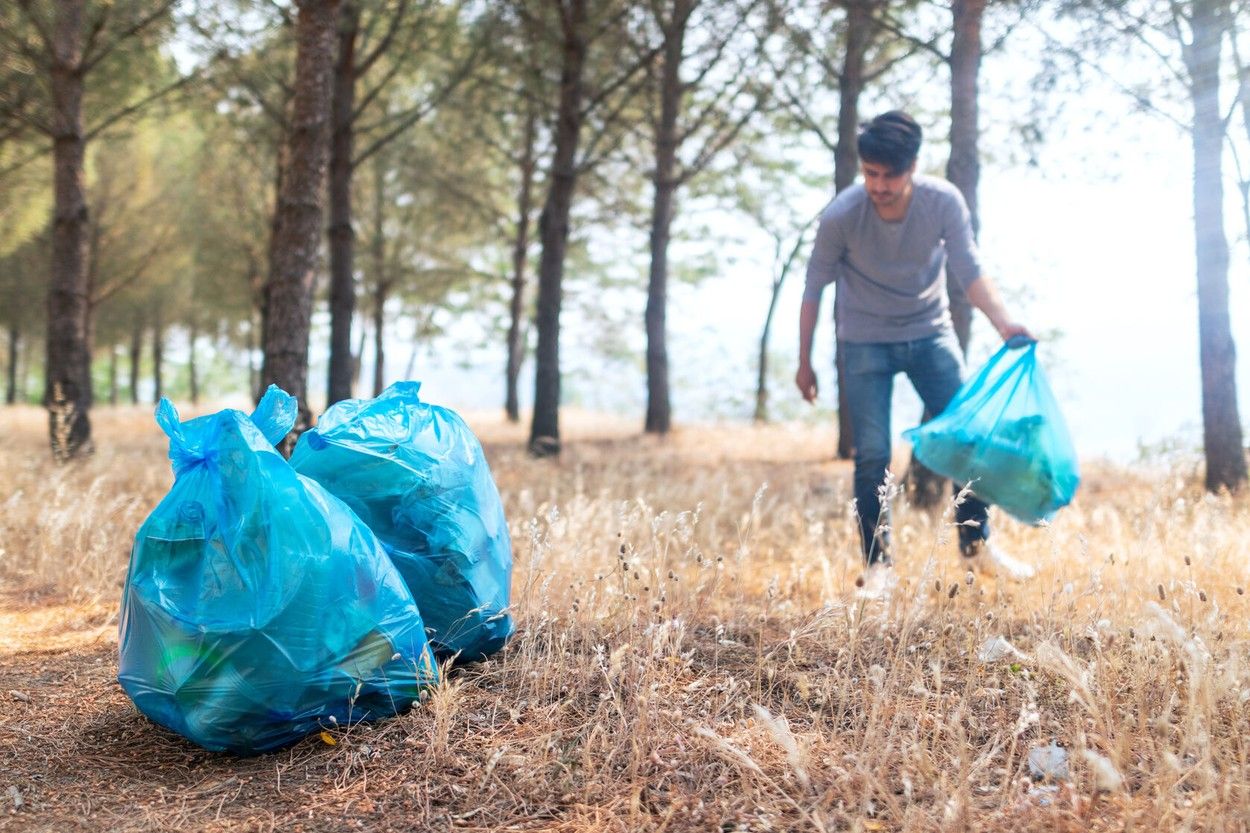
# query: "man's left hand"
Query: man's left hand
{"points": [[1011, 329]]}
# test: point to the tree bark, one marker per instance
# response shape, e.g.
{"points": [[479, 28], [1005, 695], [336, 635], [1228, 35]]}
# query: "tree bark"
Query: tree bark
{"points": [[554, 230], [25, 354], [254, 326], [136, 357], [359, 357], [193, 372], [859, 34], [963, 168], [67, 393], [158, 355], [379, 347], [113, 375], [1221, 422], [761, 384], [10, 386], [517, 329], [341, 235], [659, 404], [295, 244], [381, 280]]}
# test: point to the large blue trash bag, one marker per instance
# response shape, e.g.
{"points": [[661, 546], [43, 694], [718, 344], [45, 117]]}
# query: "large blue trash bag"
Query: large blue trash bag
{"points": [[1004, 433], [258, 607], [415, 473]]}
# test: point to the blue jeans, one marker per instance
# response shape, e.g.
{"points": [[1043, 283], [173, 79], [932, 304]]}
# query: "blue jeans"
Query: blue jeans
{"points": [[936, 370]]}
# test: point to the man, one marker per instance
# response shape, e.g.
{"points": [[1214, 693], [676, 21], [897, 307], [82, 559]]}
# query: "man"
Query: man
{"points": [[888, 244]]}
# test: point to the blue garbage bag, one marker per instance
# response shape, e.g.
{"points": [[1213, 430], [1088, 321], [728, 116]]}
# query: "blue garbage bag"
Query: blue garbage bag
{"points": [[415, 473], [1003, 433], [258, 608]]}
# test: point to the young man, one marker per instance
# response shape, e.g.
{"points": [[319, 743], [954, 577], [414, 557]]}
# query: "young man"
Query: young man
{"points": [[888, 243]]}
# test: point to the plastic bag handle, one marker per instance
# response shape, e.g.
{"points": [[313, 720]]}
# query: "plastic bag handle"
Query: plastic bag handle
{"points": [[275, 414], [181, 453], [167, 419], [1018, 341], [405, 389]]}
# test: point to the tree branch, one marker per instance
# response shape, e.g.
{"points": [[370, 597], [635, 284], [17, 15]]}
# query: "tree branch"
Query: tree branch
{"points": [[126, 112], [387, 39], [90, 61]]}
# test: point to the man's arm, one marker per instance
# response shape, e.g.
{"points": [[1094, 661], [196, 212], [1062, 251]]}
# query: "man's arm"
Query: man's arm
{"points": [[806, 377], [821, 271], [983, 295]]}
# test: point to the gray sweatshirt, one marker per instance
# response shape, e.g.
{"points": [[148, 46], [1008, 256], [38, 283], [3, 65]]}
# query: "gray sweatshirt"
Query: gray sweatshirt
{"points": [[892, 276]]}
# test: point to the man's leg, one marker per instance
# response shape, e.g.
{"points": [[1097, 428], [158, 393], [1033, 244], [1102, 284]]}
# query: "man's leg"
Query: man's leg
{"points": [[936, 370], [869, 381]]}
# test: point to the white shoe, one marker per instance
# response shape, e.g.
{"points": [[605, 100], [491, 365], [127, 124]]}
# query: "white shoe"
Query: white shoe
{"points": [[876, 582], [989, 560]]}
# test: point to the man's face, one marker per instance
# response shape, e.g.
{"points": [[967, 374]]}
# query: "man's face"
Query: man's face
{"points": [[884, 188]]}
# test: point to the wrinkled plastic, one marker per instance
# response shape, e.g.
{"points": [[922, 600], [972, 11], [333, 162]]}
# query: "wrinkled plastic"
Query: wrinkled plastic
{"points": [[258, 608], [1003, 433], [415, 473]]}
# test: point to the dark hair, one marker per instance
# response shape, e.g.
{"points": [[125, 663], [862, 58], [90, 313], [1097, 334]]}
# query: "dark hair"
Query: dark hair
{"points": [[891, 139]]}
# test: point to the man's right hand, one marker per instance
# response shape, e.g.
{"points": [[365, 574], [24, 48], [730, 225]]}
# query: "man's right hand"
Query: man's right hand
{"points": [[806, 381]]}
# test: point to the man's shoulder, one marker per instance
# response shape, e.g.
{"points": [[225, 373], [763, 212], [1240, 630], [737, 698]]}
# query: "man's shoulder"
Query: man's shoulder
{"points": [[935, 190], [845, 203]]}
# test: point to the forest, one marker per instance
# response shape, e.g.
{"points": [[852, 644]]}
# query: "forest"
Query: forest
{"points": [[199, 200]]}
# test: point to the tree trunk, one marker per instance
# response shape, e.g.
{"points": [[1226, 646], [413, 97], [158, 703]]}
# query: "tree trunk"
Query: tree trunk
{"points": [[10, 387], [67, 392], [517, 330], [136, 356], [113, 375], [158, 355], [1221, 423], [359, 358], [294, 247], [342, 238], [963, 168], [761, 384], [26, 355], [379, 349], [659, 405], [255, 326], [859, 34], [381, 281], [193, 374], [553, 227]]}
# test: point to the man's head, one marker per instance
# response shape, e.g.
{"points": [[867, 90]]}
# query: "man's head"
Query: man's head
{"points": [[888, 146]]}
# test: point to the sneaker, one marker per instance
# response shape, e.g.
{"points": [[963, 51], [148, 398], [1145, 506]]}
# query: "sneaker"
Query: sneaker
{"points": [[876, 582], [988, 560]]}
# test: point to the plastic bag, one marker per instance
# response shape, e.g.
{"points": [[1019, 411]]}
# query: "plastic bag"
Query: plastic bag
{"points": [[415, 473], [1004, 434], [258, 608]]}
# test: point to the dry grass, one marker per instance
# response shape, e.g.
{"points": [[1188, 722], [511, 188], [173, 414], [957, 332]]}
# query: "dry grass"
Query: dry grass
{"points": [[691, 655]]}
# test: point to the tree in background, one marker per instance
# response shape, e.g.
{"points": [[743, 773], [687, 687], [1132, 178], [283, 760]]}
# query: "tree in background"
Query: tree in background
{"points": [[589, 37], [24, 203], [1186, 40], [417, 51], [64, 48], [692, 119], [297, 231]]}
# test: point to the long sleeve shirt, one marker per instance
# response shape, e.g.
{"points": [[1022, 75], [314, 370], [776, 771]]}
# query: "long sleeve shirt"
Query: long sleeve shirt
{"points": [[891, 276]]}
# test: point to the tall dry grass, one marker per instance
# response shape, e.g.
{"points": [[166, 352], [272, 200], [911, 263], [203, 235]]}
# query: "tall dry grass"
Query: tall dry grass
{"points": [[692, 653]]}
